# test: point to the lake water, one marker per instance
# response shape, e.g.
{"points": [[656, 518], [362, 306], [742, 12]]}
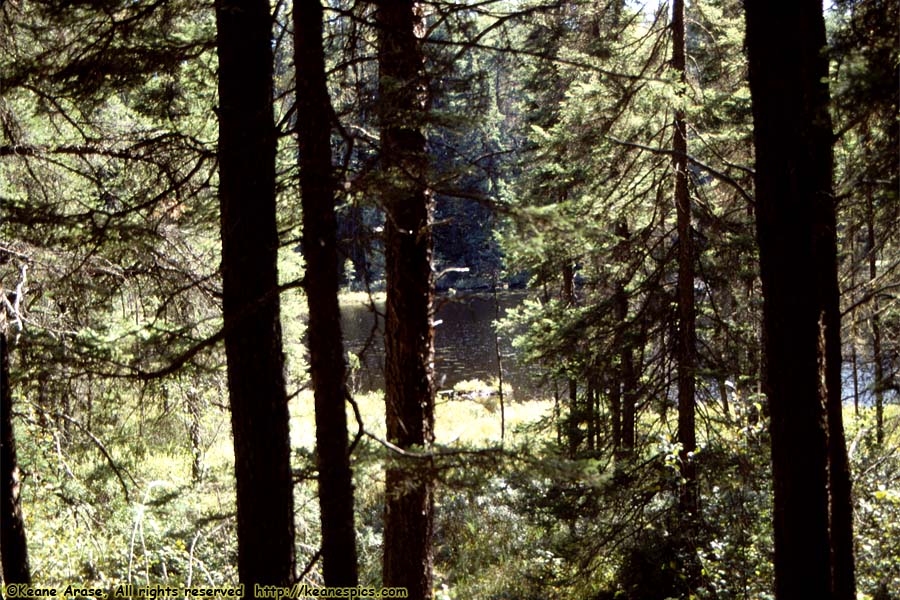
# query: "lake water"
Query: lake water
{"points": [[465, 346], [465, 342]]}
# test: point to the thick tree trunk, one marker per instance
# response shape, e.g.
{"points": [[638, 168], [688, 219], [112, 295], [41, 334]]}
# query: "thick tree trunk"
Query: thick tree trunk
{"points": [[13, 546], [409, 335], [687, 330], [326, 348], [256, 386], [796, 232], [689, 494]]}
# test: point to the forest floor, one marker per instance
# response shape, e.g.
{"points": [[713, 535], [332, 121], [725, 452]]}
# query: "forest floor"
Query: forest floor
{"points": [[171, 528]]}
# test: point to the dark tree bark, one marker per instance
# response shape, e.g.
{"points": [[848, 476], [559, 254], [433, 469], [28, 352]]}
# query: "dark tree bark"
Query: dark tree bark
{"points": [[499, 355], [573, 429], [619, 394], [625, 389], [409, 335], [629, 395], [590, 414], [843, 570], [686, 358], [256, 385], [854, 359], [689, 501], [195, 410], [615, 411], [326, 348], [13, 544], [875, 323], [796, 233], [843, 567]]}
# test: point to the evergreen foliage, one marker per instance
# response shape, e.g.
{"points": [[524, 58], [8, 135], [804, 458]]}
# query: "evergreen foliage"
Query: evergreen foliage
{"points": [[544, 137]]}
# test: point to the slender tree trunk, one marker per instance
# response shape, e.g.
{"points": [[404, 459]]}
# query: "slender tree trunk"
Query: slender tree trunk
{"points": [[854, 358], [250, 301], [194, 406], [573, 431], [591, 417], [557, 413], [409, 335], [499, 364], [723, 395], [629, 395], [326, 348], [840, 482], [625, 388], [574, 421], [620, 394], [796, 232], [13, 545], [831, 382], [615, 411], [854, 362], [875, 323]]}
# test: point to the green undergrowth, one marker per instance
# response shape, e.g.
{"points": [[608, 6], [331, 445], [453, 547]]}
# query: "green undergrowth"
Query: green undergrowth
{"points": [[513, 520]]}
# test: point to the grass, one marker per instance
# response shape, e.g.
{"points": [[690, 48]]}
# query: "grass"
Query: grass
{"points": [[457, 421], [362, 297], [81, 529]]}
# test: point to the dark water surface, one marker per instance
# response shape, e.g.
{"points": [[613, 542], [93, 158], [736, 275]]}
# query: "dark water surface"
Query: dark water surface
{"points": [[465, 347], [465, 342]]}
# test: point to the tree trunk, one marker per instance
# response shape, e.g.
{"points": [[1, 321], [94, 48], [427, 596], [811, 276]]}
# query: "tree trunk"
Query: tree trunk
{"points": [[13, 546], [796, 233], [723, 396], [573, 423], [629, 395], [619, 390], [687, 333], [250, 301], [499, 354], [854, 333], [839, 482], [590, 415], [409, 335], [689, 494], [875, 323], [326, 348], [615, 412], [195, 409], [625, 389]]}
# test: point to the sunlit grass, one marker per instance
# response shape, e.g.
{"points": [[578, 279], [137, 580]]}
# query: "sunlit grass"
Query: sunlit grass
{"points": [[362, 297], [458, 421]]}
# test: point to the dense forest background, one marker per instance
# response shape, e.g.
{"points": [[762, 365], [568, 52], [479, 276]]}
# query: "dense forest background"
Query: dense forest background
{"points": [[689, 212]]}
